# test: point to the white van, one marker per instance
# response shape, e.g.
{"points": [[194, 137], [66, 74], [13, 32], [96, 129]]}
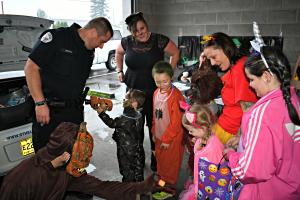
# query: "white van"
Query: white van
{"points": [[18, 34], [107, 53]]}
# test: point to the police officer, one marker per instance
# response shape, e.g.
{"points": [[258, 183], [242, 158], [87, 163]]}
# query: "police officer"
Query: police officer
{"points": [[56, 72]]}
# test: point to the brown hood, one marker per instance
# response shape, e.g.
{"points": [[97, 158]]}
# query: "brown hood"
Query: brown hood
{"points": [[61, 140]]}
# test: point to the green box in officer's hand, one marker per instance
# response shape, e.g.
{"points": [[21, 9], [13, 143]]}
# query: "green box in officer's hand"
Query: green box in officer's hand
{"points": [[101, 94]]}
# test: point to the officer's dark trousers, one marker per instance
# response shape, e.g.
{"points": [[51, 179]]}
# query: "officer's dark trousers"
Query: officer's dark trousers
{"points": [[148, 113], [41, 132]]}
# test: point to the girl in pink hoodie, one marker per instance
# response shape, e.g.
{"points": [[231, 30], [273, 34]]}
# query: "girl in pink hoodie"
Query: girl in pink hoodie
{"points": [[198, 120], [268, 161]]}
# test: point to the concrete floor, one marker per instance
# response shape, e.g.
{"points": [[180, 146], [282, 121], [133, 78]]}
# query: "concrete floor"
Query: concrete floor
{"points": [[104, 154]]}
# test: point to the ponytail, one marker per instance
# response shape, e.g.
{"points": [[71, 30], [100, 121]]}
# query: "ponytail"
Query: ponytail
{"points": [[280, 66], [285, 87]]}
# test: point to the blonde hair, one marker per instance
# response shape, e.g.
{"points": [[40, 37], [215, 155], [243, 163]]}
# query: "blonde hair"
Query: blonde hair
{"points": [[204, 117]]}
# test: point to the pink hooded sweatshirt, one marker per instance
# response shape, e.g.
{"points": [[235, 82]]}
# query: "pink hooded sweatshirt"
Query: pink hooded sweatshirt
{"points": [[212, 152], [269, 163]]}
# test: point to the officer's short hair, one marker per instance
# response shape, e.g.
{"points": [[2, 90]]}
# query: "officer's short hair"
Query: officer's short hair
{"points": [[101, 24]]}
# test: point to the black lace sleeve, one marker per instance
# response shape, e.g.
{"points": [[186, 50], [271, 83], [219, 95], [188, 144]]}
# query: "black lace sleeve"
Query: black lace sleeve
{"points": [[162, 41], [125, 41]]}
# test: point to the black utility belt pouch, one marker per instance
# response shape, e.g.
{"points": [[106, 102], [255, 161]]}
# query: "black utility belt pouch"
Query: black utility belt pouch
{"points": [[70, 103]]}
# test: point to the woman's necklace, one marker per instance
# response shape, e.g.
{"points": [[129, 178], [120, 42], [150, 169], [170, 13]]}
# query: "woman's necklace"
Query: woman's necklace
{"points": [[161, 99]]}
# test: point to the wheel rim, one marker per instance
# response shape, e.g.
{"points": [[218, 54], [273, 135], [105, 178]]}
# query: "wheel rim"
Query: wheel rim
{"points": [[113, 62]]}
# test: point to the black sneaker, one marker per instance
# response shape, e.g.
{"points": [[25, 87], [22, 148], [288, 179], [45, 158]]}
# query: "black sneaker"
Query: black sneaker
{"points": [[145, 196], [153, 163]]}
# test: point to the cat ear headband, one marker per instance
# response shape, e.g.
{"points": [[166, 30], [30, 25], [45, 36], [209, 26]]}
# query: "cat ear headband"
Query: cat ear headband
{"points": [[137, 15], [190, 116], [257, 43]]}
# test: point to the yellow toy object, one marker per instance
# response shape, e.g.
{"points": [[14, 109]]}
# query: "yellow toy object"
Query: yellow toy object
{"points": [[161, 183], [95, 102], [295, 80], [206, 38]]}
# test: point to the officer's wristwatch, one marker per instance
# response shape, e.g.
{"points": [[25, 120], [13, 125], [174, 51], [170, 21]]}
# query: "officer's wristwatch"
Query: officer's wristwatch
{"points": [[40, 103]]}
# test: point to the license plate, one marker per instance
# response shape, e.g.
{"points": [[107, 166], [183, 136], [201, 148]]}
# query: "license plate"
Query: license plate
{"points": [[26, 146]]}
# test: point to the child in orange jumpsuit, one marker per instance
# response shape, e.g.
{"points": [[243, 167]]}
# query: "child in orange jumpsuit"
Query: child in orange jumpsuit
{"points": [[167, 129]]}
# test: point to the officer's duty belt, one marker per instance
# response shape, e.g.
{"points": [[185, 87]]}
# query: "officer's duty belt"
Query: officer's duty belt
{"points": [[71, 103]]}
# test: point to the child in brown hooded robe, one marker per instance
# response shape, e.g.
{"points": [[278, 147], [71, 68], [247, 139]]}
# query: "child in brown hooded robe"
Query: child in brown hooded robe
{"points": [[44, 176]]}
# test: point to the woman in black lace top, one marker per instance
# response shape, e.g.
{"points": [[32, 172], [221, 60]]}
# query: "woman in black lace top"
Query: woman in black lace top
{"points": [[142, 49]]}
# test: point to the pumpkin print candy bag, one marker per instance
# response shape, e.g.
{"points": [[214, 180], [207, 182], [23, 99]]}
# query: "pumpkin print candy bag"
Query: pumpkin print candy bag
{"points": [[81, 152], [213, 178]]}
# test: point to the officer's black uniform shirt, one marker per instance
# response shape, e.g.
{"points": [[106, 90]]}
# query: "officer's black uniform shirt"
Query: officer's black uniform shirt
{"points": [[64, 62]]}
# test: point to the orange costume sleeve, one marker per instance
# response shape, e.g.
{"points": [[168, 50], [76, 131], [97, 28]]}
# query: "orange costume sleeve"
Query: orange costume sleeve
{"points": [[175, 126], [169, 160]]}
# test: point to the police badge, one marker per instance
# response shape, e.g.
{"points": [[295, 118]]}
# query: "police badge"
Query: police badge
{"points": [[47, 37]]}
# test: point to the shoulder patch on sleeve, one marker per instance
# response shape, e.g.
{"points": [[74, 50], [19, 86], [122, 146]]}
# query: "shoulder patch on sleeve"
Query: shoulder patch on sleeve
{"points": [[47, 37]]}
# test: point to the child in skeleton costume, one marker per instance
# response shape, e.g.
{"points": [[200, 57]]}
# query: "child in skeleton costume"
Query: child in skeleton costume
{"points": [[128, 126], [167, 129]]}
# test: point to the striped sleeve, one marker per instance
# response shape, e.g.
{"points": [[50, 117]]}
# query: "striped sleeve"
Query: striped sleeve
{"points": [[256, 162]]}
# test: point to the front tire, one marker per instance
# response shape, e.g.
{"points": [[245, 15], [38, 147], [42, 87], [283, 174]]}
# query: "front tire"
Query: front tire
{"points": [[111, 62]]}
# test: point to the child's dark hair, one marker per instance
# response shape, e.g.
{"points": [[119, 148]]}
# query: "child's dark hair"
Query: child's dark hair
{"points": [[137, 95], [133, 19], [222, 41], [280, 66], [206, 85], [162, 67]]}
